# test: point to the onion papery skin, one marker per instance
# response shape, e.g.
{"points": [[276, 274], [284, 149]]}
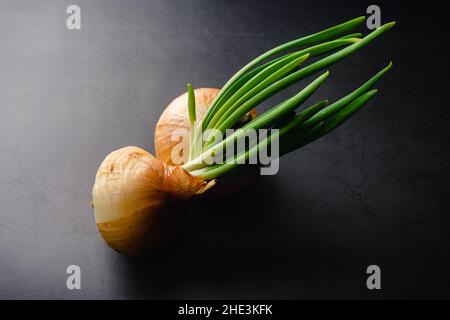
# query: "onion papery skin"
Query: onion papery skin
{"points": [[138, 200]]}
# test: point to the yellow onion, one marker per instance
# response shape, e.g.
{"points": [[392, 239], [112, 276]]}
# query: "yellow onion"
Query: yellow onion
{"points": [[138, 199], [176, 117]]}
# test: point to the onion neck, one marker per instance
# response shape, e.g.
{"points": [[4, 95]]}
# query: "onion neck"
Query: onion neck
{"points": [[179, 183]]}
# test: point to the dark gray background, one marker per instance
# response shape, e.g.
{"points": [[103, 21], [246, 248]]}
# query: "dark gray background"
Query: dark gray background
{"points": [[373, 192]]}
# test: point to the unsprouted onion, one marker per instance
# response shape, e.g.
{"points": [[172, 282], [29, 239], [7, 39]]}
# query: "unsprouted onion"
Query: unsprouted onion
{"points": [[139, 199]]}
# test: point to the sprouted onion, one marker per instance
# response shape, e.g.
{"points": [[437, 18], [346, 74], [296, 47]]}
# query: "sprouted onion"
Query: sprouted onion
{"points": [[139, 199]]}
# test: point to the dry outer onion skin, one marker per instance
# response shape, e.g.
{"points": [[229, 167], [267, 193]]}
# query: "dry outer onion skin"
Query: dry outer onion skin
{"points": [[138, 199]]}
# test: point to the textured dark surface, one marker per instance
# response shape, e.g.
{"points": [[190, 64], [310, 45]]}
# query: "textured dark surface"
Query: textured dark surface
{"points": [[373, 192]]}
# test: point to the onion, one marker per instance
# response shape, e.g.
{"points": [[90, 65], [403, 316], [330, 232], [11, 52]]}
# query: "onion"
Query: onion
{"points": [[138, 199], [175, 117]]}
